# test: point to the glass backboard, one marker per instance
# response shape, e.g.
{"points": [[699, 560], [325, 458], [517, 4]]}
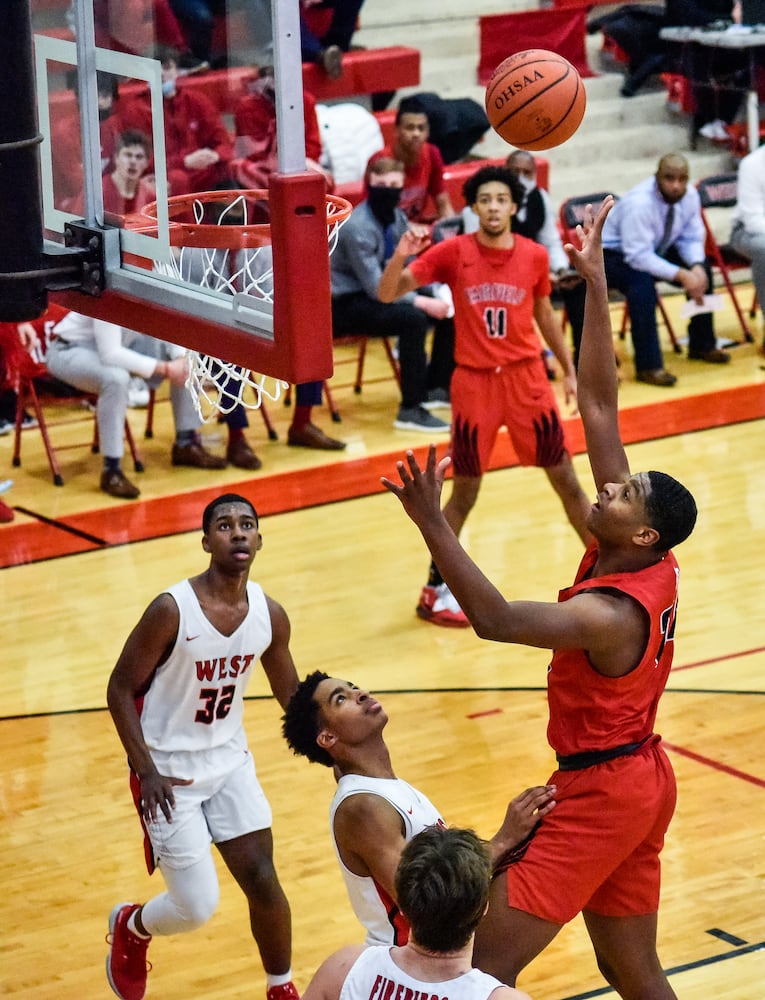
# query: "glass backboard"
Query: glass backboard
{"points": [[135, 110]]}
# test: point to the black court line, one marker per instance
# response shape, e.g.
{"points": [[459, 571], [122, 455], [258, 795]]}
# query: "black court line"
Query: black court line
{"points": [[62, 526], [687, 967], [384, 693], [737, 942]]}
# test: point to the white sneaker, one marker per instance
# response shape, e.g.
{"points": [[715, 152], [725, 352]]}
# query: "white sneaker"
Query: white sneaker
{"points": [[417, 418], [138, 393], [716, 131], [439, 606]]}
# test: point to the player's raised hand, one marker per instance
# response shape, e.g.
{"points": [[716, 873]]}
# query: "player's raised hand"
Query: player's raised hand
{"points": [[413, 241], [420, 489], [589, 260]]}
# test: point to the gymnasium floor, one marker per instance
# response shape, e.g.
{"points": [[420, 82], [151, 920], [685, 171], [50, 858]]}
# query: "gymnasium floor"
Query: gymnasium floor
{"points": [[467, 717]]}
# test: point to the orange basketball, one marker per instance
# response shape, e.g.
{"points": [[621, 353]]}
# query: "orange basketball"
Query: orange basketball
{"points": [[535, 99]]}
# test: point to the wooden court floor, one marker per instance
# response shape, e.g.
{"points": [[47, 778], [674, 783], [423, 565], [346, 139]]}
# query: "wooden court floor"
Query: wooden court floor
{"points": [[467, 717]]}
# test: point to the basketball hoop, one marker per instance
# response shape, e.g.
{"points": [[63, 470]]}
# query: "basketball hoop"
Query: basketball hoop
{"points": [[221, 240]]}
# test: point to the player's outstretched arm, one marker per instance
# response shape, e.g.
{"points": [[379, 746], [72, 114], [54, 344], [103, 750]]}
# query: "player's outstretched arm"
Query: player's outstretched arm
{"points": [[575, 623], [597, 380]]}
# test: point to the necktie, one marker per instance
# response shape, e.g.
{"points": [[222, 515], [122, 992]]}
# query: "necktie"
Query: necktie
{"points": [[389, 243], [666, 238]]}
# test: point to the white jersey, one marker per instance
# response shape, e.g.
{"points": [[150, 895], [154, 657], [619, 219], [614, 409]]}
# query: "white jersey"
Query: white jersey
{"points": [[195, 699], [384, 922], [375, 976]]}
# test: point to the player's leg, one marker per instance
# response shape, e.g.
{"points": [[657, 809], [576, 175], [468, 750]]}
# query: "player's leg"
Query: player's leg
{"points": [[575, 502], [249, 858], [508, 939], [625, 948]]}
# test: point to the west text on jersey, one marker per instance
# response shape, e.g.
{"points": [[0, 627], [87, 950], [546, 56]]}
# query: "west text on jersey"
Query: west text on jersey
{"points": [[223, 667]]}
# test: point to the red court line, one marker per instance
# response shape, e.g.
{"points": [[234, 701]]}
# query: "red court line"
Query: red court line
{"points": [[720, 659], [302, 488], [715, 764]]}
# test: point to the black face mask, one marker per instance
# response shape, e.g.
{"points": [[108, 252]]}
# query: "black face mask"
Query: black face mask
{"points": [[383, 202]]}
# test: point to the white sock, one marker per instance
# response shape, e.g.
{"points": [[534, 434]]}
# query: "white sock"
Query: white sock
{"points": [[280, 980]]}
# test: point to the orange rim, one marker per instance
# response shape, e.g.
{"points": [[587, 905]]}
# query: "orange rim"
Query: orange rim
{"points": [[221, 236]]}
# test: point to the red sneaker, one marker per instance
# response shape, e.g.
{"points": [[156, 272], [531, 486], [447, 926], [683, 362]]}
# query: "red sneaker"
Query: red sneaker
{"points": [[286, 991], [6, 512], [126, 965], [437, 605]]}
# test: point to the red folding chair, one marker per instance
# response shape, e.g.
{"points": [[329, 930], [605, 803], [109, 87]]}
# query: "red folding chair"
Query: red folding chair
{"points": [[571, 215], [720, 191]]}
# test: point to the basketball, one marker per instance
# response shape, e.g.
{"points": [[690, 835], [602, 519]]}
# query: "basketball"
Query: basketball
{"points": [[535, 99]]}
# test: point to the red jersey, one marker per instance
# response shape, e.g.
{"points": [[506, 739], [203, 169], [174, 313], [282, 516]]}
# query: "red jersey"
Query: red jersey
{"points": [[589, 711], [255, 116], [494, 292], [192, 122], [115, 204], [422, 179]]}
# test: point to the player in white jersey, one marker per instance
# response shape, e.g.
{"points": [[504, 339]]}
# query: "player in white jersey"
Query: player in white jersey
{"points": [[442, 883], [176, 698], [374, 814]]}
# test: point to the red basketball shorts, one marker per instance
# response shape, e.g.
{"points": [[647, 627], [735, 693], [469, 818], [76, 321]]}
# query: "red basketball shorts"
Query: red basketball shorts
{"points": [[598, 849], [517, 396]]}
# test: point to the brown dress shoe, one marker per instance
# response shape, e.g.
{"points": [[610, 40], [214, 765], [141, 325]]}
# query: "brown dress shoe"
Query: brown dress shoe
{"points": [[117, 484], [715, 357], [656, 376], [240, 454], [311, 436], [196, 456]]}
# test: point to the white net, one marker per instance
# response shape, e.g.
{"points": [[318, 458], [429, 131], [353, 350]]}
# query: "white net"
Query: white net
{"points": [[217, 386]]}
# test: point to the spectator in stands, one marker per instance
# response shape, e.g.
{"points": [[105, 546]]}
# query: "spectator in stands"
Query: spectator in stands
{"points": [[134, 27], [89, 354], [748, 234], [655, 233], [424, 196], [126, 190], [715, 106], [501, 290], [536, 218], [365, 243], [327, 49], [198, 147], [66, 145], [255, 145]]}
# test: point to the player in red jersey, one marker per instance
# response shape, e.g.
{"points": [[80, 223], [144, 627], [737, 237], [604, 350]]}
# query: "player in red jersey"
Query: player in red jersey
{"points": [[612, 633], [500, 284]]}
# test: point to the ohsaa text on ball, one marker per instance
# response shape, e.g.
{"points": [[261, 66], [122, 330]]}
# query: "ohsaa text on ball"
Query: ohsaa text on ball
{"points": [[516, 87]]}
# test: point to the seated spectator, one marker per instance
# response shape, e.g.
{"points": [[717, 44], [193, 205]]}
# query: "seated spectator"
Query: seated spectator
{"points": [[365, 243], [328, 48], [655, 233], [714, 105], [126, 190], [255, 145], [456, 123], [536, 218], [66, 144], [89, 354], [748, 233], [134, 27], [198, 146], [423, 165]]}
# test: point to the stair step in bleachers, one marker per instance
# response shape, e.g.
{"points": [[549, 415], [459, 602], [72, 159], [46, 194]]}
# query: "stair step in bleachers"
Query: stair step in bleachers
{"points": [[364, 72]]}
